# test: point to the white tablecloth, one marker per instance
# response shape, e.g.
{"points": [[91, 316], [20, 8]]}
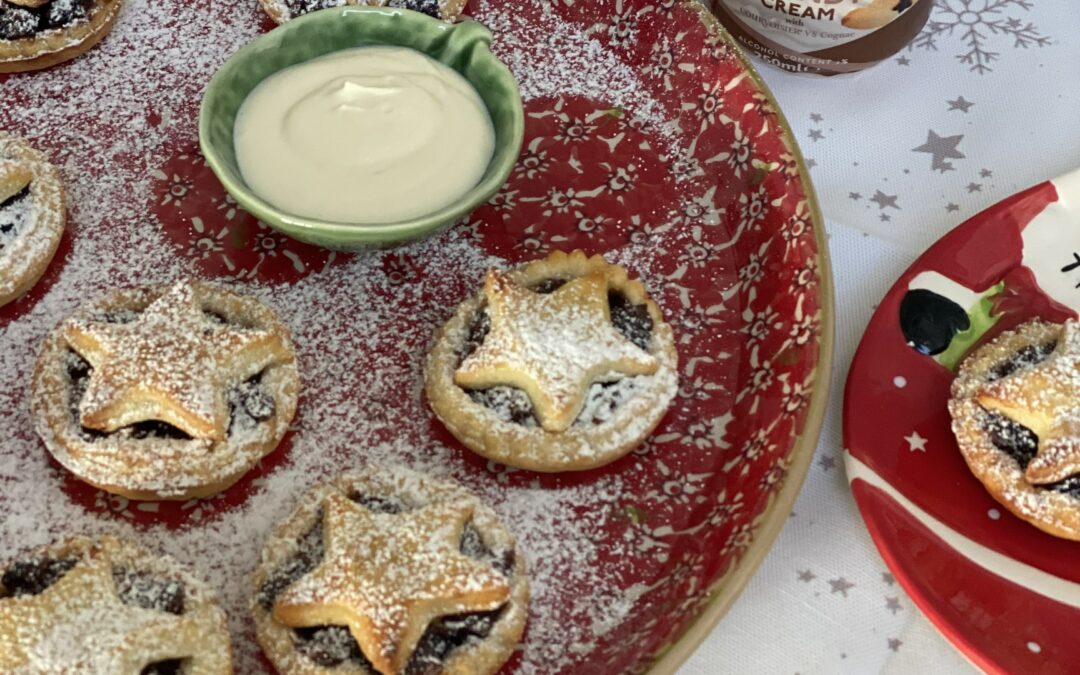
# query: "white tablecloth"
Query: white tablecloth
{"points": [[986, 102]]}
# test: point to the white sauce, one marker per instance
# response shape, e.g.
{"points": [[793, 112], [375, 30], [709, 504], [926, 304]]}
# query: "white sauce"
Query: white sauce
{"points": [[366, 135]]}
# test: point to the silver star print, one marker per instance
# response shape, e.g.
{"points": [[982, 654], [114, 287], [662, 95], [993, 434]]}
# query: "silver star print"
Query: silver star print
{"points": [[888, 578], [816, 135], [827, 463], [840, 585], [816, 117], [903, 61], [894, 644], [942, 148], [807, 576], [986, 173], [974, 187], [915, 442], [892, 603], [973, 26], [952, 207], [883, 200], [855, 196], [960, 104]]}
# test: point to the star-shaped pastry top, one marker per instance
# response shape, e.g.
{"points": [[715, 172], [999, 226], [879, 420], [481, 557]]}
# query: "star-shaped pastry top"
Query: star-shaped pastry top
{"points": [[552, 346], [1045, 398], [387, 576], [171, 363], [80, 625]]}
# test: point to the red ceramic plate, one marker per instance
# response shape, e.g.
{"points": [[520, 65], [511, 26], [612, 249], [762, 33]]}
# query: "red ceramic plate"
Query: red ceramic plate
{"points": [[1006, 594], [648, 139]]}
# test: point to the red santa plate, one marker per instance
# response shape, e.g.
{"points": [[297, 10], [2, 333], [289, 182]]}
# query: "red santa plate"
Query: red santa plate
{"points": [[648, 139], [1005, 593]]}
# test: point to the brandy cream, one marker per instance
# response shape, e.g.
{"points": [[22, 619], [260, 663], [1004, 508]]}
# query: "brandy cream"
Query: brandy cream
{"points": [[365, 135]]}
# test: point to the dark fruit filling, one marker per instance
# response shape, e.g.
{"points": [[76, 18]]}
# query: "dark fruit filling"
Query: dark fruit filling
{"points": [[1016, 440], [446, 634], [139, 589], [478, 330], [31, 577], [249, 402], [13, 215], [17, 22], [513, 405], [1022, 444], [215, 317], [309, 555], [1027, 356], [170, 667], [298, 7], [429, 7], [548, 286], [329, 646], [378, 504], [633, 321], [1013, 438], [21, 22], [118, 315]]}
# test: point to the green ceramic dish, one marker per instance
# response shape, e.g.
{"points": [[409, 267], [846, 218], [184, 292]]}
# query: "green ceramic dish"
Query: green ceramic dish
{"points": [[464, 47]]}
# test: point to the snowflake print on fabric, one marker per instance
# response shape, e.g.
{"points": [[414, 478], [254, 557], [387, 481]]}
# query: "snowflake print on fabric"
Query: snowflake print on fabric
{"points": [[981, 25]]}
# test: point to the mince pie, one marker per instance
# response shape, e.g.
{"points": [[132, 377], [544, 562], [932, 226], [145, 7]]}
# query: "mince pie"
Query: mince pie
{"points": [[37, 34], [283, 10], [31, 215], [1016, 415], [165, 392], [562, 364], [389, 571], [108, 606]]}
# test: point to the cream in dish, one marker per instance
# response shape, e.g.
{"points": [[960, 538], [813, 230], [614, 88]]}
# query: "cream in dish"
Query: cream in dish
{"points": [[365, 135]]}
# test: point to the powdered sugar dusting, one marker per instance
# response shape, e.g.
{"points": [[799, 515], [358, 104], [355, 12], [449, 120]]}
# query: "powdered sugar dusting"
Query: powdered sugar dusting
{"points": [[1028, 368], [557, 344], [31, 218], [584, 66], [103, 613], [135, 98]]}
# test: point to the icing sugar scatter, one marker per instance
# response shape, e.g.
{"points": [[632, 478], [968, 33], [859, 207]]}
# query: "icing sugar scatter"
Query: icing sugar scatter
{"points": [[109, 120], [584, 66]]}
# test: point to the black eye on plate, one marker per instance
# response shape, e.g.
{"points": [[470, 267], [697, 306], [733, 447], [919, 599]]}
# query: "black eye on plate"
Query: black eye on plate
{"points": [[929, 321]]}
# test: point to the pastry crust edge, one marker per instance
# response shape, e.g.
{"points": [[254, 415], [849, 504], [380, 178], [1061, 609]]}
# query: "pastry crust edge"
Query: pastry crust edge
{"points": [[484, 658], [999, 473], [201, 606], [53, 423], [28, 262], [533, 448], [60, 45]]}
